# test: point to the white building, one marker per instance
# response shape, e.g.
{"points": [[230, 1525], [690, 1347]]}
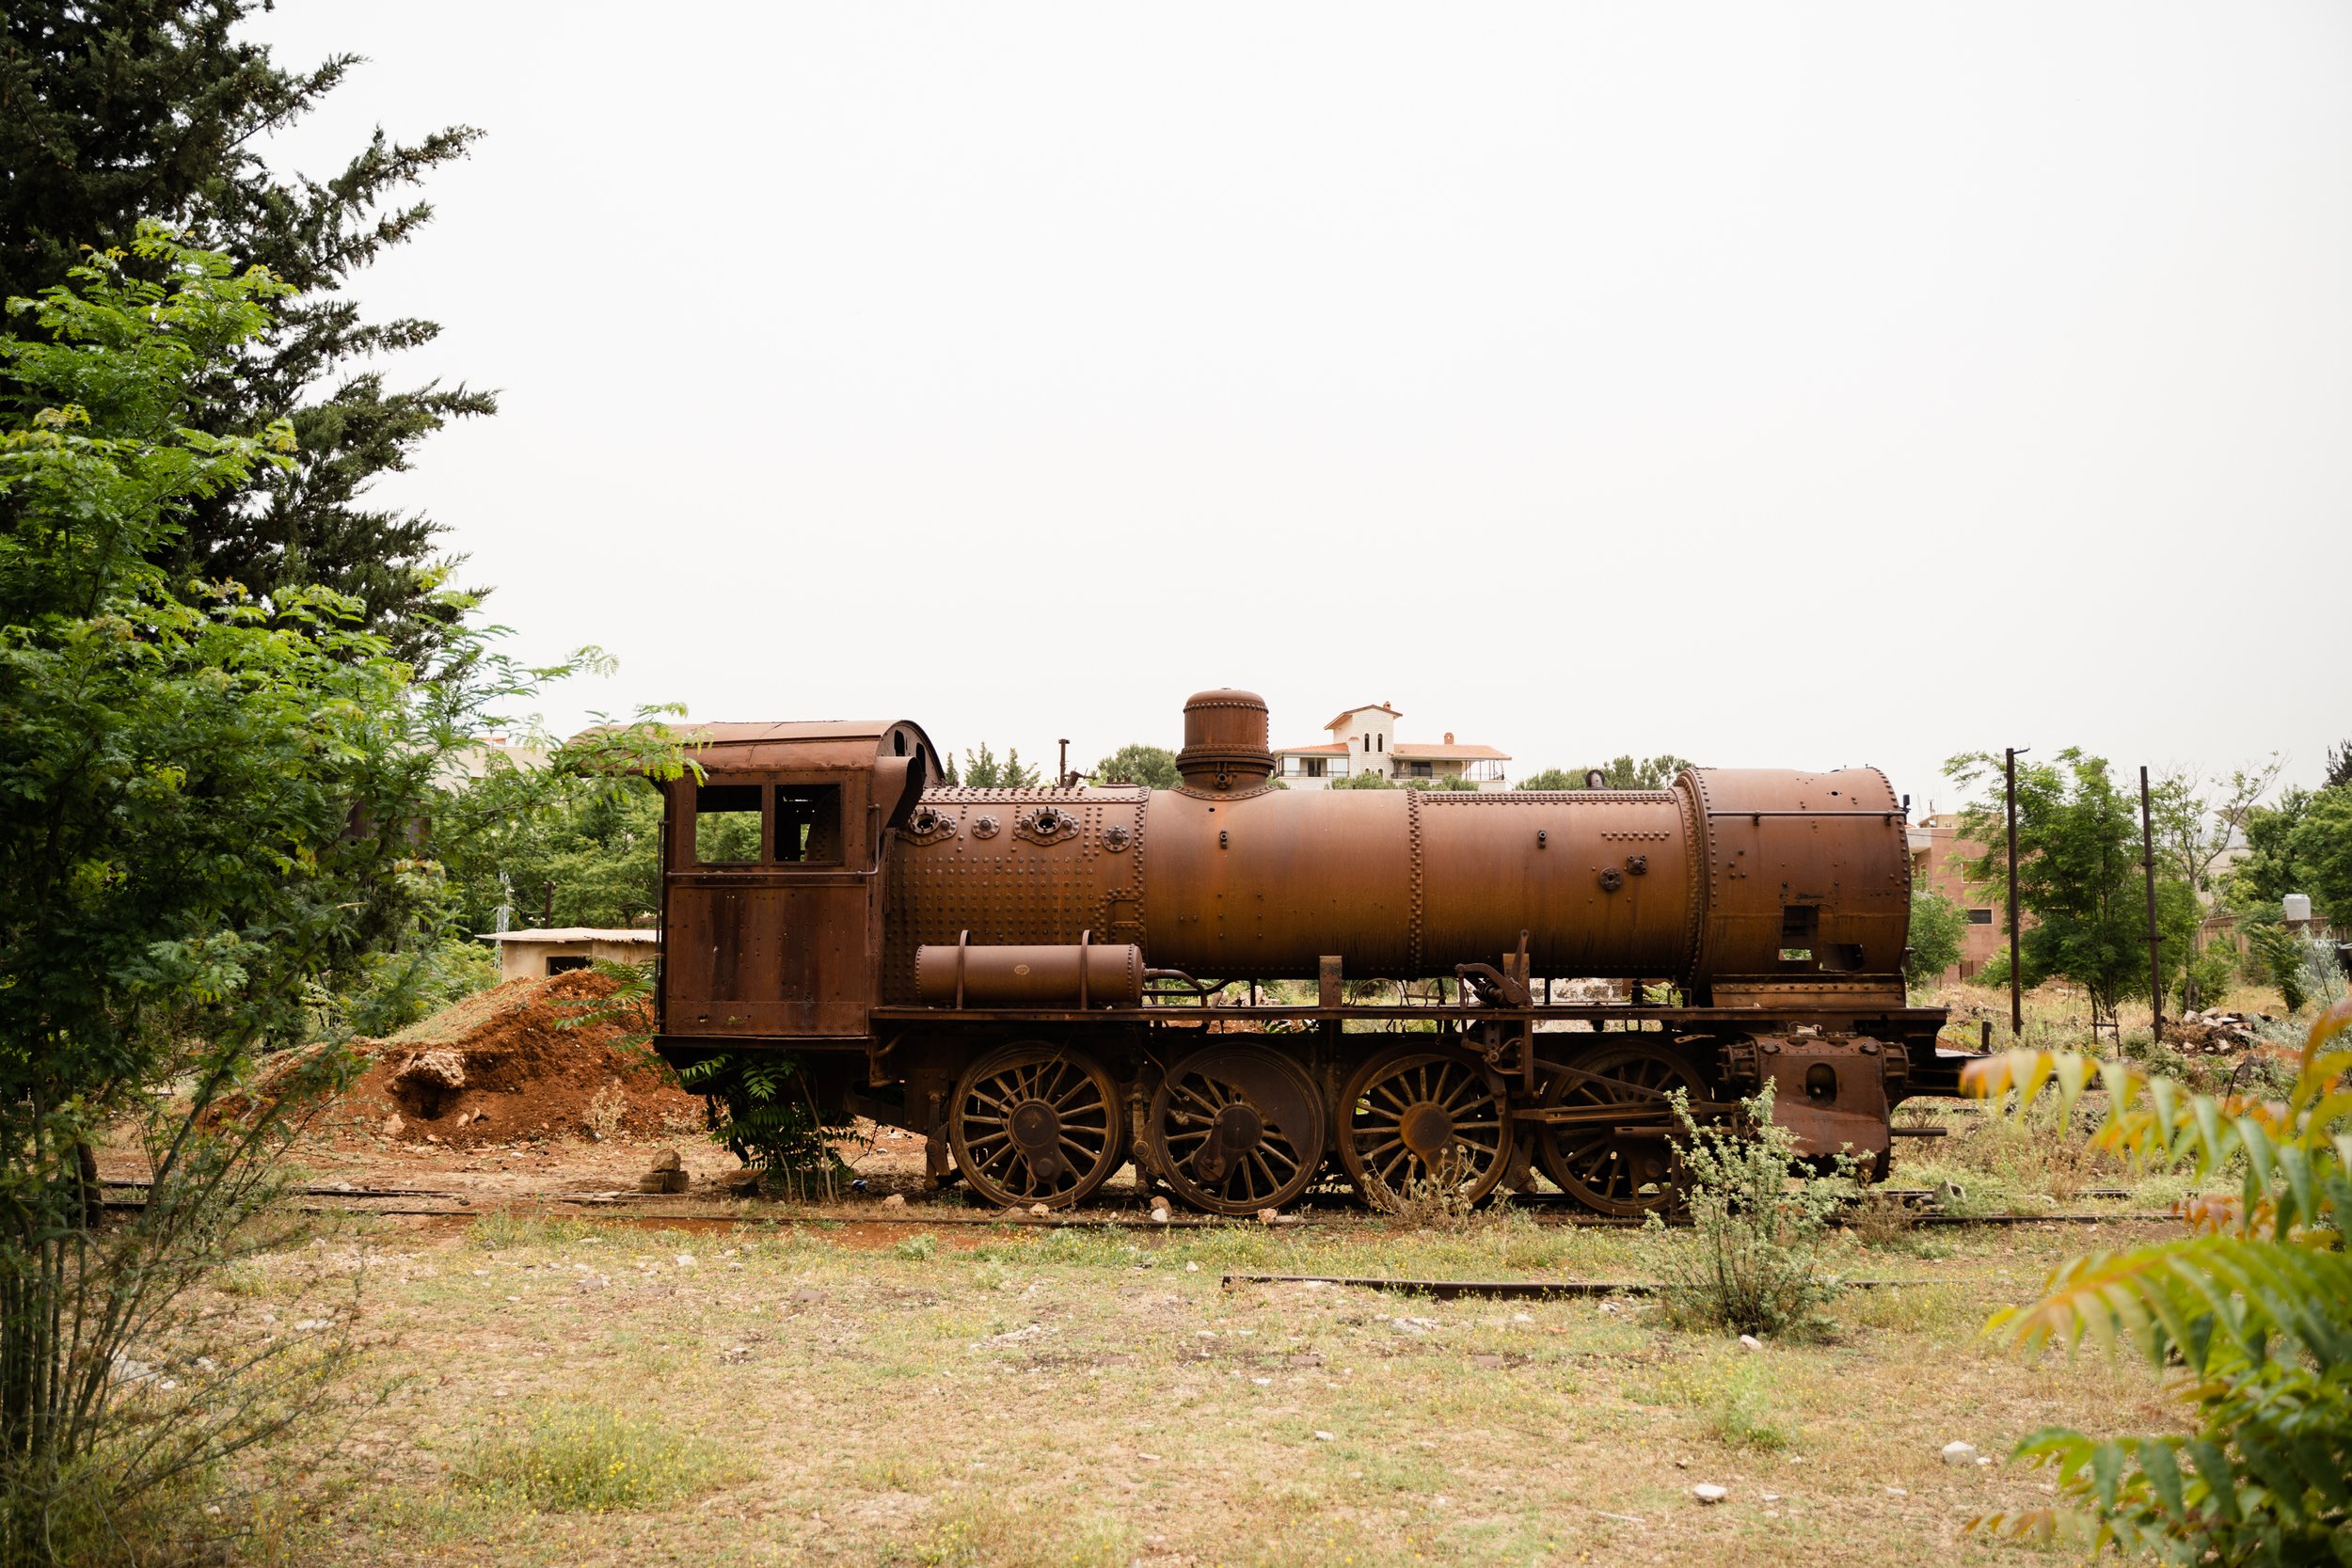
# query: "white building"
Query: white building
{"points": [[1364, 740], [553, 949]]}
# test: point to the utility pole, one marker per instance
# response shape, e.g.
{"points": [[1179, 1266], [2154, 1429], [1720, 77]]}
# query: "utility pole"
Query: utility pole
{"points": [[2016, 962], [2148, 862]]}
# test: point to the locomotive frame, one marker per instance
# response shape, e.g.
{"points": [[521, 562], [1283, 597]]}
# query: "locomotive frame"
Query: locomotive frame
{"points": [[998, 969]]}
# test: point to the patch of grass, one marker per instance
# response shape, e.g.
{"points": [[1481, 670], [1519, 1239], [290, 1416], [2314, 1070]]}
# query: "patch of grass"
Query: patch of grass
{"points": [[1735, 1397], [505, 1230], [564, 1459], [917, 1248], [1936, 1309], [894, 1472], [991, 1533]]}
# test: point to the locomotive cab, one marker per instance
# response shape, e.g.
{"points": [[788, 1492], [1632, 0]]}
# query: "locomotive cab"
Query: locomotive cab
{"points": [[771, 880]]}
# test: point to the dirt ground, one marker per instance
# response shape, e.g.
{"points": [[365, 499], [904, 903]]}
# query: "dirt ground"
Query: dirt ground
{"points": [[896, 1393], [849, 1382]]}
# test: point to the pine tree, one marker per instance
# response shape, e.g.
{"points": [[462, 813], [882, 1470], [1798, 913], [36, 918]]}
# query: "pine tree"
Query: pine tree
{"points": [[115, 110]]}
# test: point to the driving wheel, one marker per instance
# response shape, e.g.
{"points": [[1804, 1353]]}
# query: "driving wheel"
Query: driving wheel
{"points": [[1611, 1146], [1035, 1123], [1416, 1115], [1237, 1127]]}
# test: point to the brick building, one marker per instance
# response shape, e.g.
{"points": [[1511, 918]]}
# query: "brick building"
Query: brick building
{"points": [[1936, 851]]}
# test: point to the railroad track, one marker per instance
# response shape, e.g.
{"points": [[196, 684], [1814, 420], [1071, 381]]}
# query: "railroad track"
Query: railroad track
{"points": [[631, 1208]]}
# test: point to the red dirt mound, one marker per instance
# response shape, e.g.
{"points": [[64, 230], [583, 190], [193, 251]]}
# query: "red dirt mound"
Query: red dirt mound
{"points": [[528, 1059]]}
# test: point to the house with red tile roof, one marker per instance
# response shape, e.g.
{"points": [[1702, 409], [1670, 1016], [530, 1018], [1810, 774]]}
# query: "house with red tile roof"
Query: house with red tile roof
{"points": [[1364, 740]]}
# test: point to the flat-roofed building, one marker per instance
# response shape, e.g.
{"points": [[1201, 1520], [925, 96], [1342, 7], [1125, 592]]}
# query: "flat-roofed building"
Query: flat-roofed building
{"points": [[553, 949]]}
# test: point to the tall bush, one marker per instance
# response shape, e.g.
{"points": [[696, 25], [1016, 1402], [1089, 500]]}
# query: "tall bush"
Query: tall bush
{"points": [[1760, 1210]]}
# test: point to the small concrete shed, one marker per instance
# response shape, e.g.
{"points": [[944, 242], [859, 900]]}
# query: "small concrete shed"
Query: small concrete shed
{"points": [[551, 950]]}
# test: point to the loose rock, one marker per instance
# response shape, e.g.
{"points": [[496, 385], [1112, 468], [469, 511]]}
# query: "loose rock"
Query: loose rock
{"points": [[1959, 1453], [1708, 1491]]}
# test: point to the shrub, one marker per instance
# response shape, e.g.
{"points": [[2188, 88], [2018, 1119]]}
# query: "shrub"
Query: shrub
{"points": [[761, 1109], [2254, 1306], [1751, 1261], [1436, 1199]]}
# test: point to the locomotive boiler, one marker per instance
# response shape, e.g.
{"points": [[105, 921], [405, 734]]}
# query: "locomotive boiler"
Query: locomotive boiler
{"points": [[1245, 989]]}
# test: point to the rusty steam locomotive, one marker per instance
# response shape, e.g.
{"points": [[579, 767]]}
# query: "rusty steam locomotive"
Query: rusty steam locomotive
{"points": [[1047, 983]]}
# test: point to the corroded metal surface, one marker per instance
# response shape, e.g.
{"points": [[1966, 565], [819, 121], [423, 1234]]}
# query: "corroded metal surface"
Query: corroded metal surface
{"points": [[953, 945]]}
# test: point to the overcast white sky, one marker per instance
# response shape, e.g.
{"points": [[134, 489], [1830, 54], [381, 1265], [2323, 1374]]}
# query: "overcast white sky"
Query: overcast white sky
{"points": [[1779, 386]]}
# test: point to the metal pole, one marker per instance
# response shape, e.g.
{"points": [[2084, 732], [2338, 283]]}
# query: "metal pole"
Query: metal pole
{"points": [[1061, 774], [2148, 861], [2016, 965]]}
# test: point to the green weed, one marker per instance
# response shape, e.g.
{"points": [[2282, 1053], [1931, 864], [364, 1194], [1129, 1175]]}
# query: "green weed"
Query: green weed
{"points": [[590, 1459]]}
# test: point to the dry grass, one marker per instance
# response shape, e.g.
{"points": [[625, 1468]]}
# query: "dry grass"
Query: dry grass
{"points": [[1022, 1397]]}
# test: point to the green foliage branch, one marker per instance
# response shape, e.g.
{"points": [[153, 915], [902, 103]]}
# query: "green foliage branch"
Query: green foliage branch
{"points": [[212, 803], [2248, 1317]]}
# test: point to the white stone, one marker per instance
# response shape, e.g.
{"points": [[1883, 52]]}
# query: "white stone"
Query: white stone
{"points": [[1708, 1491], [1959, 1453], [1323, 1437], [1749, 1341]]}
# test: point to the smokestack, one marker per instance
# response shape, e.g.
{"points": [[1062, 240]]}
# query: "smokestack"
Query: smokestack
{"points": [[1225, 741]]}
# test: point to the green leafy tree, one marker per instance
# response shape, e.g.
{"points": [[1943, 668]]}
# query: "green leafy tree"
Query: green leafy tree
{"points": [[2249, 1319], [210, 807], [1938, 928], [2196, 825], [1622, 772], [2196, 822], [2323, 846], [1153, 766], [2272, 866], [2080, 875], [981, 771], [173, 861], [156, 109], [553, 847], [2301, 845], [1553, 778]]}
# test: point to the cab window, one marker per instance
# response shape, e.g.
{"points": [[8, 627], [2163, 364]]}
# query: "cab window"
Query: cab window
{"points": [[726, 825], [808, 824]]}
